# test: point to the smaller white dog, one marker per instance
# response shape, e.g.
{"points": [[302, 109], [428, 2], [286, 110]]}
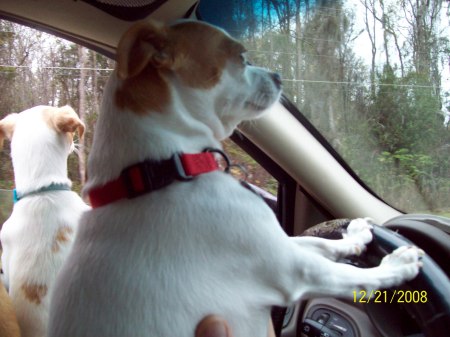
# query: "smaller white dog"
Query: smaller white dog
{"points": [[37, 237]]}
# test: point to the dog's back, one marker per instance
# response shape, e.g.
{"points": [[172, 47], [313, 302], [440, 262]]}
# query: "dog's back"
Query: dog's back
{"points": [[36, 240], [160, 263], [37, 237]]}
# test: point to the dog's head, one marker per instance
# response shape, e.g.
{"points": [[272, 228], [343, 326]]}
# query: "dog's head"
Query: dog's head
{"points": [[41, 128], [195, 67]]}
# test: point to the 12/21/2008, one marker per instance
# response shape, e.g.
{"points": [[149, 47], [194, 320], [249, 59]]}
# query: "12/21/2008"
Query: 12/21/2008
{"points": [[390, 296]]}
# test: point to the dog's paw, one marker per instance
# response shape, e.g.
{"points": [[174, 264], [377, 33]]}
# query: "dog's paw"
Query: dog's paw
{"points": [[403, 264], [359, 234]]}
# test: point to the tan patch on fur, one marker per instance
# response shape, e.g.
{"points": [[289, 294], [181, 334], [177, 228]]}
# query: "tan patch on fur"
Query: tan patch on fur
{"points": [[64, 119], [63, 235], [196, 53], [200, 60], [7, 126], [34, 292], [148, 91]]}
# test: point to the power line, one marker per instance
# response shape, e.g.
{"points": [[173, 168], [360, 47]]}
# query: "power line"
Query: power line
{"points": [[285, 80], [60, 68], [255, 51], [361, 84]]}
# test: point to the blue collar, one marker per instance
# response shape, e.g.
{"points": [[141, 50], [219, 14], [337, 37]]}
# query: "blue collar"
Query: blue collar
{"points": [[49, 188]]}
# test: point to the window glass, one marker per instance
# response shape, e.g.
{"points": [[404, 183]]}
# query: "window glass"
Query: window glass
{"points": [[246, 168], [372, 77], [40, 69]]}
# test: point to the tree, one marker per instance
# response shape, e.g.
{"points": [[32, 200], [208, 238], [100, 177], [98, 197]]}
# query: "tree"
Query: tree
{"points": [[38, 69], [83, 60]]}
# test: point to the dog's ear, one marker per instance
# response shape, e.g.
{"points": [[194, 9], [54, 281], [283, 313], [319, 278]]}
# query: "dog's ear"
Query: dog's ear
{"points": [[7, 126], [65, 119], [144, 43]]}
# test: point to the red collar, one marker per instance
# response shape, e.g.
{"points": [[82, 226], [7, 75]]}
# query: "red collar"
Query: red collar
{"points": [[147, 176]]}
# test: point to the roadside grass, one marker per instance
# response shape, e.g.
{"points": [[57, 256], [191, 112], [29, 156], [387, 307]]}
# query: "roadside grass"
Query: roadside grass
{"points": [[254, 173]]}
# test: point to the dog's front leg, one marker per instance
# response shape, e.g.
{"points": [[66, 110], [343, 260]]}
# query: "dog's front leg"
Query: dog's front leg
{"points": [[312, 274], [357, 236]]}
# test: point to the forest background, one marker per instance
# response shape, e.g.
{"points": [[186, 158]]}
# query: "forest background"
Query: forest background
{"points": [[382, 111]]}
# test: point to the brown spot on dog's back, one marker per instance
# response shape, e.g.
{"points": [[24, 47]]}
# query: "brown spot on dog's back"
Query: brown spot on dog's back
{"points": [[63, 236], [34, 292]]}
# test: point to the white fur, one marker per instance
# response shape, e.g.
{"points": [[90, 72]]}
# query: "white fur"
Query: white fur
{"points": [[157, 264], [30, 257]]}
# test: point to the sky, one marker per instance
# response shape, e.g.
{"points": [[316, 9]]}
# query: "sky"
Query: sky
{"points": [[364, 46]]}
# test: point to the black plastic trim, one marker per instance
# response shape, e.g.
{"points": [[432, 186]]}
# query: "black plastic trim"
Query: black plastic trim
{"points": [[125, 12], [191, 10]]}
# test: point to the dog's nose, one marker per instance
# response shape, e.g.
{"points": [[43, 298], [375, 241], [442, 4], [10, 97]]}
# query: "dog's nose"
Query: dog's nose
{"points": [[277, 80]]}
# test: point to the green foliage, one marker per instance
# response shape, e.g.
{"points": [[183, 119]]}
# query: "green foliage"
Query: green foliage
{"points": [[404, 112], [409, 133], [251, 171], [410, 169]]}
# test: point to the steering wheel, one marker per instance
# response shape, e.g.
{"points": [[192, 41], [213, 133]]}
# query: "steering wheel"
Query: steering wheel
{"points": [[430, 314]]}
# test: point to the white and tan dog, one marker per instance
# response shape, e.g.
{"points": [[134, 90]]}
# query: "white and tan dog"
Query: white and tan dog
{"points": [[38, 235], [161, 249]]}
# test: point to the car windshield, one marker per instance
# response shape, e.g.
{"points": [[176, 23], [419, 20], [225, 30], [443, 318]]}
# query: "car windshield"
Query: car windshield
{"points": [[371, 76]]}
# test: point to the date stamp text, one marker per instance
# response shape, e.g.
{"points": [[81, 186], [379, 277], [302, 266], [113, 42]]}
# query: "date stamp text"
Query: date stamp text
{"points": [[390, 296]]}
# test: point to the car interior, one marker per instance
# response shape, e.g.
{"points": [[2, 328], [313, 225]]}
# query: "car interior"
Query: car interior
{"points": [[317, 189]]}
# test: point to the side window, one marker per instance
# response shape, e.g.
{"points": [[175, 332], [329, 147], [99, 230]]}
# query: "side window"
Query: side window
{"points": [[249, 169], [371, 76], [40, 69]]}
